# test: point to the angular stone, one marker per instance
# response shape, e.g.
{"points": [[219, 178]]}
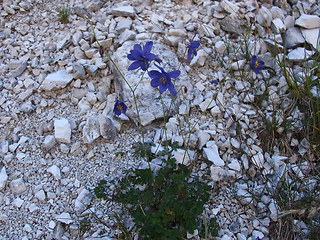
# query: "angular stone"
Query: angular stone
{"points": [[40, 195], [62, 130], [124, 11], [233, 25], [49, 142], [91, 130], [83, 200], [278, 26], [149, 103], [264, 17], [3, 178], [56, 80], [64, 218], [17, 186], [308, 21], [184, 157], [213, 155], [299, 54], [107, 128], [312, 37], [293, 37], [229, 7], [55, 171], [19, 70]]}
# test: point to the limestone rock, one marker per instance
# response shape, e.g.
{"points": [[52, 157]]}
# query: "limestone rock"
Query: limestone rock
{"points": [[312, 37], [149, 103], [107, 128], [299, 54], [83, 200], [3, 178], [308, 21], [62, 130], [18, 186], [124, 11], [64, 218], [49, 142], [264, 17], [55, 171], [213, 155], [56, 80], [293, 37], [91, 130]]}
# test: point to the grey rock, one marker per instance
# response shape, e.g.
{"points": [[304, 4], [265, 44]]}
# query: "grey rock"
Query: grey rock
{"points": [[55, 171], [244, 196], [293, 37], [91, 130], [212, 155], [49, 142], [40, 195], [299, 54], [83, 200], [149, 101], [184, 157], [218, 174], [124, 11], [312, 37], [233, 25], [19, 70], [27, 107], [62, 130], [229, 7], [308, 21], [78, 71], [56, 80], [124, 23], [18, 186], [264, 17], [64, 218], [278, 26], [81, 12], [107, 128], [94, 5], [3, 178], [127, 35]]}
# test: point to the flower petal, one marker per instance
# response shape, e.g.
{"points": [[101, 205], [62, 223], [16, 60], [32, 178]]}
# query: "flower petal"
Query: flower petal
{"points": [[171, 88], [147, 48], [163, 87], [162, 70], [155, 82], [137, 48], [151, 56], [174, 74], [189, 55], [195, 44], [134, 65], [155, 74]]}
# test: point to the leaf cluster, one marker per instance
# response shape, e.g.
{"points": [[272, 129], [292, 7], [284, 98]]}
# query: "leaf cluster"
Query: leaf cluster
{"points": [[165, 204]]}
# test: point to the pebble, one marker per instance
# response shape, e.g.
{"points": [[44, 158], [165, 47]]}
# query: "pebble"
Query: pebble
{"points": [[55, 171], [18, 186], [124, 11], [62, 130], [3, 178], [64, 218], [83, 200], [212, 155], [56, 80], [308, 21]]}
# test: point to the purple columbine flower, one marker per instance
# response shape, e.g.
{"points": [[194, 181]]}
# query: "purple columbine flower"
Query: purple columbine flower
{"points": [[141, 56], [163, 79], [119, 107], [256, 65], [192, 48]]}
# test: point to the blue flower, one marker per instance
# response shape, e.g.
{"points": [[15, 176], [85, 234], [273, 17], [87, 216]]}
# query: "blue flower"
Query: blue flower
{"points": [[256, 65], [192, 48], [119, 107], [141, 56], [163, 79]]}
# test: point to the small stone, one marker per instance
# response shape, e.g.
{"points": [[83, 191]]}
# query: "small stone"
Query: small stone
{"points": [[184, 157], [215, 111], [3, 178], [264, 17], [17, 202], [312, 36], [124, 11], [83, 200], [52, 224], [273, 211], [229, 7], [299, 54], [55, 171], [127, 35], [91, 130], [33, 208], [64, 218], [235, 143], [245, 196], [213, 155], [218, 173], [17, 186], [62, 130], [258, 160], [19, 70], [107, 128], [27, 228], [234, 165], [3, 217], [56, 80], [207, 104], [40, 195], [293, 37], [308, 21], [278, 26], [200, 59], [49, 142], [220, 47]]}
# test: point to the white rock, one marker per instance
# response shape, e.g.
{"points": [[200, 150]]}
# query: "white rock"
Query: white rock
{"points": [[239, 65], [264, 17], [127, 35], [83, 200], [245, 196], [52, 224], [299, 54], [183, 156], [229, 7], [218, 173], [17, 186], [273, 211], [213, 155], [200, 59], [55, 171], [27, 228], [220, 47], [278, 26], [311, 36], [258, 160], [64, 218], [56, 80], [17, 202], [293, 37], [215, 111], [234, 165], [49, 142], [125, 11], [40, 195], [62, 130], [207, 104], [3, 217], [91, 130], [235, 143], [204, 137], [3, 178], [4, 147], [308, 21]]}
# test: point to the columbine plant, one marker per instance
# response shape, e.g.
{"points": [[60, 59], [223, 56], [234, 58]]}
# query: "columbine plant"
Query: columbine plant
{"points": [[165, 203]]}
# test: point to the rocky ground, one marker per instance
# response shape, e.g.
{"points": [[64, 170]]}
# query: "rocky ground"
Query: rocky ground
{"points": [[58, 137]]}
